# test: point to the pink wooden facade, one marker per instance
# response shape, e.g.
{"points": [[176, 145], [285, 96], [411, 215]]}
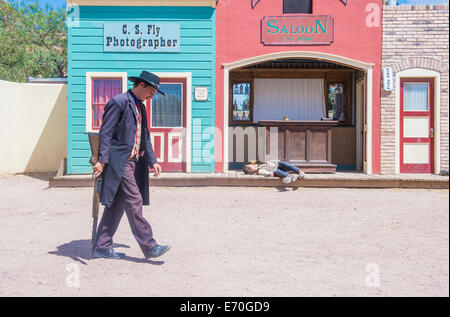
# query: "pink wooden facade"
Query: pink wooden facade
{"points": [[357, 42]]}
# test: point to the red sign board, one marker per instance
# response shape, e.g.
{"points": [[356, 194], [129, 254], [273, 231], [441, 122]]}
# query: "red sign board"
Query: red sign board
{"points": [[297, 30]]}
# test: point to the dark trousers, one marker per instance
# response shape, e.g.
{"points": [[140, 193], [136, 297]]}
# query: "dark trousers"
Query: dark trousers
{"points": [[128, 199]]}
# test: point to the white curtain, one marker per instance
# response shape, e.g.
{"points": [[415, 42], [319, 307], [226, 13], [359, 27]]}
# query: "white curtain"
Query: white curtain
{"points": [[415, 97], [300, 99]]}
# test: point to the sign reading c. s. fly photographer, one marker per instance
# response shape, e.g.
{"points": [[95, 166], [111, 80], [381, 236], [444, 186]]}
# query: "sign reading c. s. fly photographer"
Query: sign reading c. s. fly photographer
{"points": [[141, 37]]}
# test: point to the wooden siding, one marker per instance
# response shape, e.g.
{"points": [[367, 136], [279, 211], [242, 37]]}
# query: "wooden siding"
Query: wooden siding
{"points": [[197, 55]]}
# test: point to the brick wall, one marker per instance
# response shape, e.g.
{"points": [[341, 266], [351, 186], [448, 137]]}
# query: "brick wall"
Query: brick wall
{"points": [[414, 37]]}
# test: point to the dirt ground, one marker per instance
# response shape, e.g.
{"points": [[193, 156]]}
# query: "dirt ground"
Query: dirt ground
{"points": [[230, 242]]}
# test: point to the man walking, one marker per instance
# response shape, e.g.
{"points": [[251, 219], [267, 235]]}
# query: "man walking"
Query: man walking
{"points": [[124, 157]]}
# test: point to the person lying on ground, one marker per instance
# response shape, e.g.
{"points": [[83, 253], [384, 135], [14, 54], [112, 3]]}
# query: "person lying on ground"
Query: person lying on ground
{"points": [[275, 168]]}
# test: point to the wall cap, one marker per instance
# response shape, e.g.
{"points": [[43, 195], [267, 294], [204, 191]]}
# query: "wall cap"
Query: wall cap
{"points": [[435, 7], [144, 3]]}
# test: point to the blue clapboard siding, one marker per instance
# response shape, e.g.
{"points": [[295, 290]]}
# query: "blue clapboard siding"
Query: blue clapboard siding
{"points": [[197, 55]]}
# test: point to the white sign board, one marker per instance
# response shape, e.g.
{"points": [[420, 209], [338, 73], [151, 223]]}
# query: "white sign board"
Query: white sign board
{"points": [[201, 93], [141, 37], [388, 78]]}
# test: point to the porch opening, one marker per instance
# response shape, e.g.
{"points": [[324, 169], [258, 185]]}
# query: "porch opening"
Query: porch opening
{"points": [[305, 111]]}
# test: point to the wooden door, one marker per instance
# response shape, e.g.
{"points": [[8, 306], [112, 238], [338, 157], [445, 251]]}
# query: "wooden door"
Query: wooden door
{"points": [[416, 125], [167, 124]]}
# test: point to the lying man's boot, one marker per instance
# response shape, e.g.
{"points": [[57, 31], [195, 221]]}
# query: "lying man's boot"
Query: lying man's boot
{"points": [[301, 174], [107, 254], [287, 179]]}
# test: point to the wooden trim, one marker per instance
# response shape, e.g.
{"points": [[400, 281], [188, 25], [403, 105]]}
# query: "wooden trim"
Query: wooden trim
{"points": [[300, 54], [144, 3]]}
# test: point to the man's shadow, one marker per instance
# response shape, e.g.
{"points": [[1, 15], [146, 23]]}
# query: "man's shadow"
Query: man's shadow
{"points": [[80, 250]]}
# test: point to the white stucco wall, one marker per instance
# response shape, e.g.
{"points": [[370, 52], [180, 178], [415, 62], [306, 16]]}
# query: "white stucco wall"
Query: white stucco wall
{"points": [[33, 127]]}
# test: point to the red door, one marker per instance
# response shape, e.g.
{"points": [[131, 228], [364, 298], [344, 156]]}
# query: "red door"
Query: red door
{"points": [[167, 122], [416, 125]]}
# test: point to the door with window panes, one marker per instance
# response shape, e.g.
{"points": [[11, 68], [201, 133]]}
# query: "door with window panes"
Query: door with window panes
{"points": [[416, 125], [167, 122]]}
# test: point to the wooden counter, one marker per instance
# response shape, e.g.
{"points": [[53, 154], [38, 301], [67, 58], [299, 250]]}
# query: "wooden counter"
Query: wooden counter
{"points": [[306, 144]]}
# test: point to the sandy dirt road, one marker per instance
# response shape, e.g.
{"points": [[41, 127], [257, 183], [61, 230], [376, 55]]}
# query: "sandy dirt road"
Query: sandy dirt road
{"points": [[230, 242]]}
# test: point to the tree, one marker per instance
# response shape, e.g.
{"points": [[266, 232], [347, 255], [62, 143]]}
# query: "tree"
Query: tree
{"points": [[33, 41]]}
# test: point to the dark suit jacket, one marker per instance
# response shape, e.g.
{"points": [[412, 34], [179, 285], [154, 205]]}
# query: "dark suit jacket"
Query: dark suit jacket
{"points": [[117, 135]]}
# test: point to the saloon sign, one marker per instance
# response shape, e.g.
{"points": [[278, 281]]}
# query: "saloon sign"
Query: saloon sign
{"points": [[255, 2], [297, 30]]}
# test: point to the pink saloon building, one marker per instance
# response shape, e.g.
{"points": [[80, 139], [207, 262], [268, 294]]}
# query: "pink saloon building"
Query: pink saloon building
{"points": [[299, 81]]}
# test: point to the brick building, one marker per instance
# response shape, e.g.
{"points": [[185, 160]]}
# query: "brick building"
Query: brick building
{"points": [[414, 114]]}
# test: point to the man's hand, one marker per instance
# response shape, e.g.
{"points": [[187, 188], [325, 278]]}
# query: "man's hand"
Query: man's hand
{"points": [[157, 169], [98, 169]]}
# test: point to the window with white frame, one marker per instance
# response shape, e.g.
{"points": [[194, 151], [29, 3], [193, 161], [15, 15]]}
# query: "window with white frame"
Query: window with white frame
{"points": [[100, 88], [297, 6]]}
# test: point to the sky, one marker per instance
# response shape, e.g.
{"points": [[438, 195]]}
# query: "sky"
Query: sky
{"points": [[61, 3], [57, 3]]}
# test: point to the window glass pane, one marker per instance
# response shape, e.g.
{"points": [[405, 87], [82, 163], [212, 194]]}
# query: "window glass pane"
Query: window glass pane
{"points": [[241, 101], [336, 101], [102, 91], [415, 97], [167, 110], [297, 6]]}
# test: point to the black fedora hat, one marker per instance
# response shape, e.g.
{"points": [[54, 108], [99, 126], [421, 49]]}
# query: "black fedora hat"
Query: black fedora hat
{"points": [[149, 78]]}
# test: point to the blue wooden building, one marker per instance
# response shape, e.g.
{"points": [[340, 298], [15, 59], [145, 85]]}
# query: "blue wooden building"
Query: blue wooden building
{"points": [[111, 40]]}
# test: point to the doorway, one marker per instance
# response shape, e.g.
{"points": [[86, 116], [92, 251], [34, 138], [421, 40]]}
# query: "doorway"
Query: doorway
{"points": [[417, 125], [167, 124]]}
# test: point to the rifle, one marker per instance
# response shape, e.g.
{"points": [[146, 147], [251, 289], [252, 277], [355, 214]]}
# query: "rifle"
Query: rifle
{"points": [[94, 141]]}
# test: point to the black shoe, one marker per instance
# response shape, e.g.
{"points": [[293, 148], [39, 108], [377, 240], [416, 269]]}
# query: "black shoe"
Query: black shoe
{"points": [[157, 251], [107, 254]]}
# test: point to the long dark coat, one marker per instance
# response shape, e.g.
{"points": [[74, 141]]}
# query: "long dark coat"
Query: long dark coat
{"points": [[117, 135]]}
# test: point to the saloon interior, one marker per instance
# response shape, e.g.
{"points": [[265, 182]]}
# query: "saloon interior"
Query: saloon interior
{"points": [[307, 112]]}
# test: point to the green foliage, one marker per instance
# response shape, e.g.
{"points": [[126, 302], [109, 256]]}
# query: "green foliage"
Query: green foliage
{"points": [[33, 42]]}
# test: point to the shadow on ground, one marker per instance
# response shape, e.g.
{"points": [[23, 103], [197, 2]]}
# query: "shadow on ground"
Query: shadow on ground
{"points": [[282, 189], [80, 250], [43, 176]]}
